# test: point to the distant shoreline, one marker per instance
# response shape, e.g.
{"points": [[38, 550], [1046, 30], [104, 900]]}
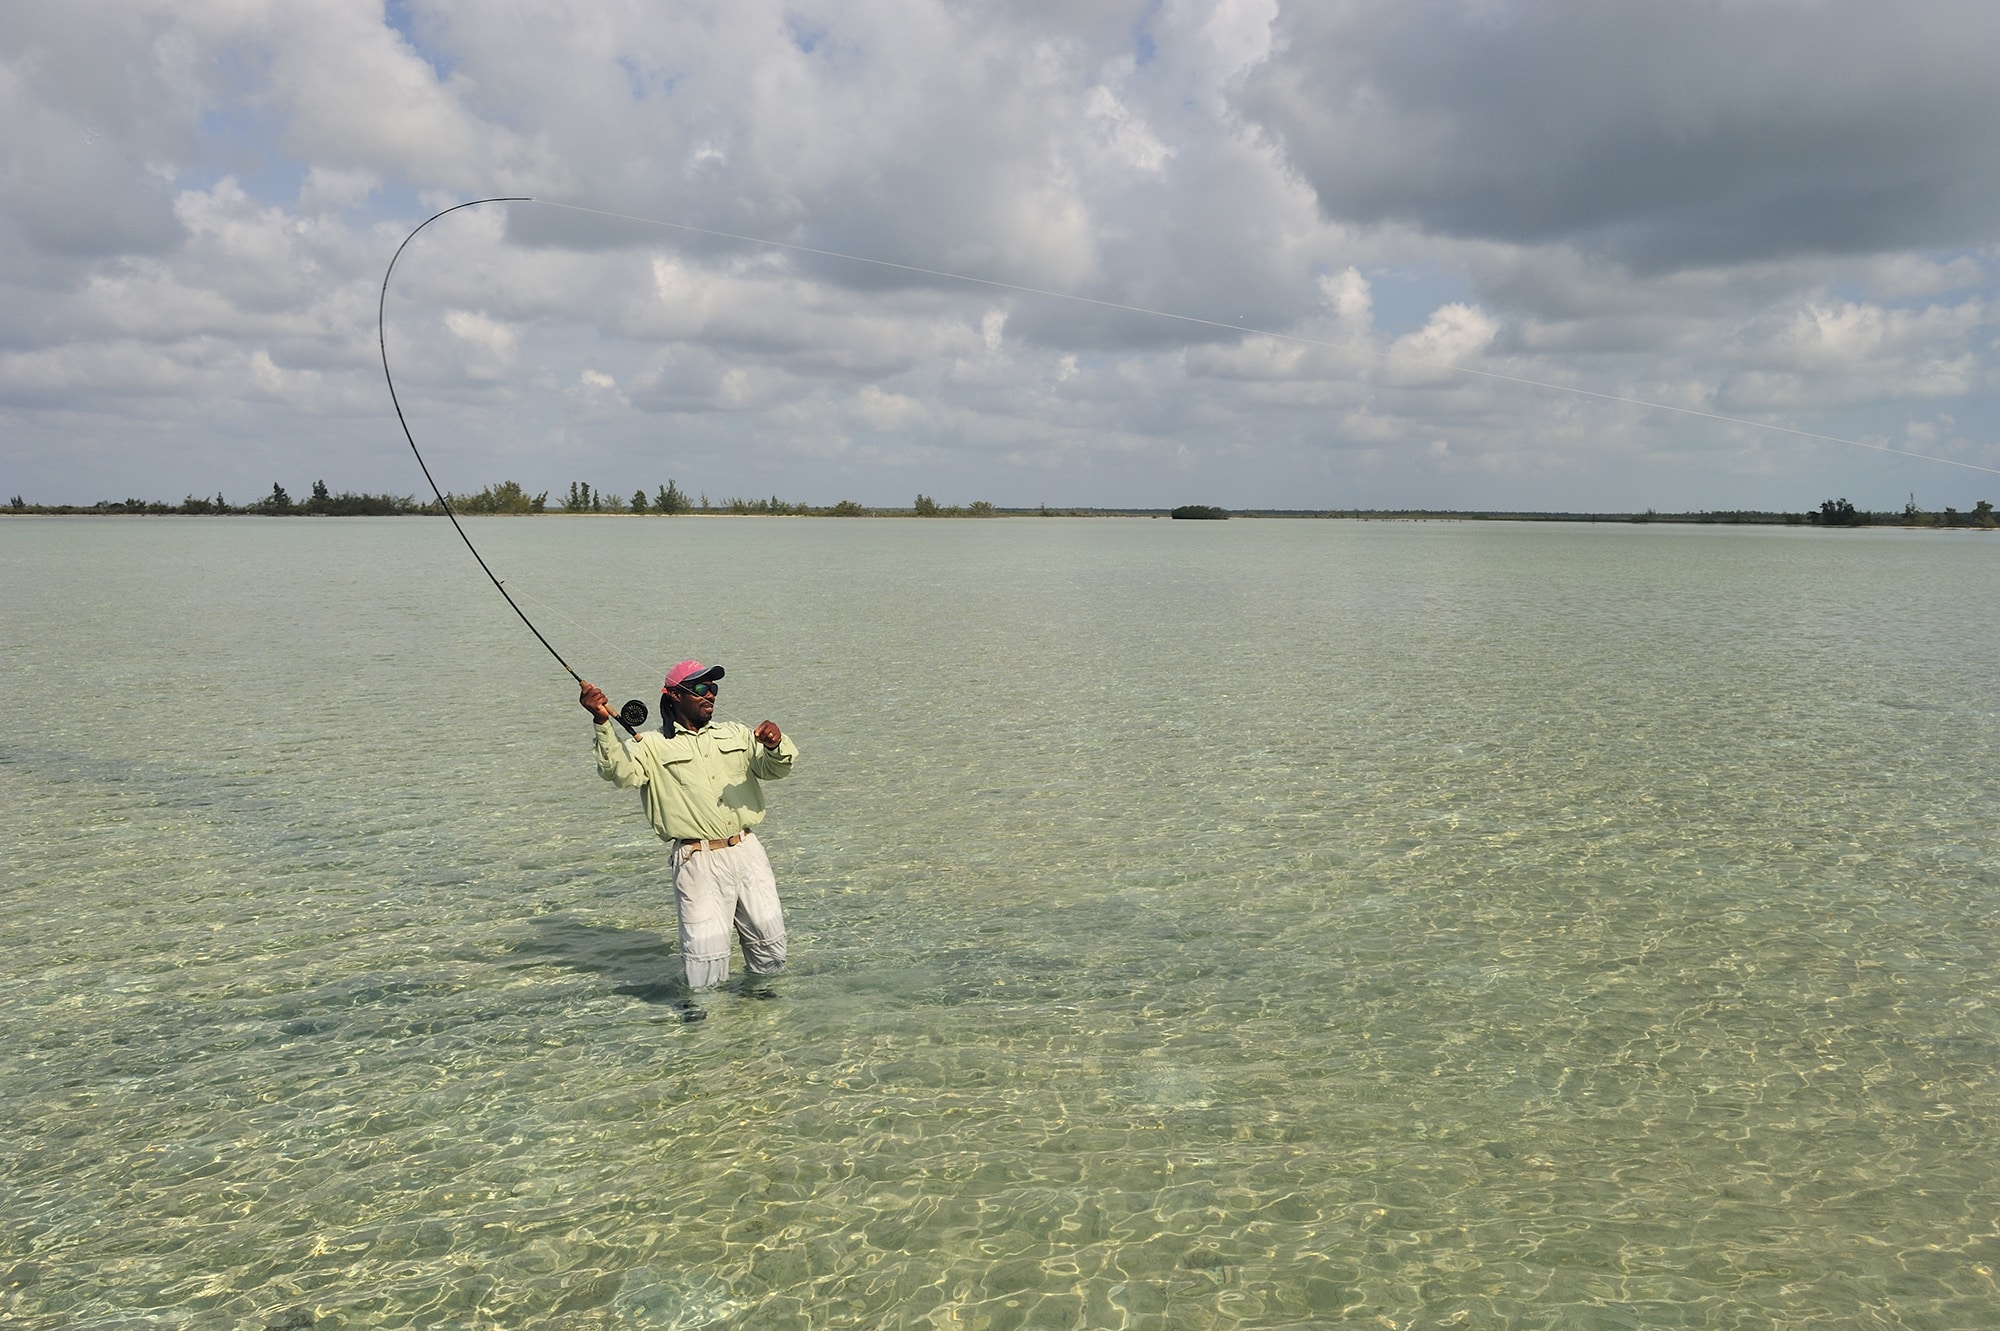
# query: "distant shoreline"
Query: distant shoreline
{"points": [[512, 499], [1950, 520]]}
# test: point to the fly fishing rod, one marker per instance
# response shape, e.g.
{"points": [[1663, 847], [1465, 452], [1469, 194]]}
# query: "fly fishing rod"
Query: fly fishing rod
{"points": [[633, 714]]}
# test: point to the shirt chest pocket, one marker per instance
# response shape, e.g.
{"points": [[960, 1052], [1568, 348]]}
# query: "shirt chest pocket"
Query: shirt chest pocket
{"points": [[735, 789]]}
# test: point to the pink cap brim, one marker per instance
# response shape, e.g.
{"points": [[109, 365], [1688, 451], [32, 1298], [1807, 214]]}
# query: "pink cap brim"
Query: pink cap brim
{"points": [[686, 671]]}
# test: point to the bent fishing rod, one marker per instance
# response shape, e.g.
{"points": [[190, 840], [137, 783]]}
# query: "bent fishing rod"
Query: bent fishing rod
{"points": [[633, 714]]}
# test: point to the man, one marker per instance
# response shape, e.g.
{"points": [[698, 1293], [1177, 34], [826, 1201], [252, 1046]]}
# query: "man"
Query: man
{"points": [[700, 779]]}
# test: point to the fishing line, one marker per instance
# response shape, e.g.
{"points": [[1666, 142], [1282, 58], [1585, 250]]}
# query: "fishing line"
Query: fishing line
{"points": [[609, 646], [557, 612]]}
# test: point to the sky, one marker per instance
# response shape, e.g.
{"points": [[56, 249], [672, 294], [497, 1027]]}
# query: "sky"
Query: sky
{"points": [[1418, 251]]}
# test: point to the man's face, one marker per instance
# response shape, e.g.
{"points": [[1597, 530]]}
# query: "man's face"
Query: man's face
{"points": [[694, 704]]}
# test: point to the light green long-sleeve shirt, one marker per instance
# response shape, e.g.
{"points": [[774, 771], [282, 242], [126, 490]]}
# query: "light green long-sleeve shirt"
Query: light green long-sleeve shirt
{"points": [[700, 785]]}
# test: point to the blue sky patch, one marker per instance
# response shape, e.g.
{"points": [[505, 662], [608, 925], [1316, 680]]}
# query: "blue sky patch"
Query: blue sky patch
{"points": [[1406, 297], [805, 34]]}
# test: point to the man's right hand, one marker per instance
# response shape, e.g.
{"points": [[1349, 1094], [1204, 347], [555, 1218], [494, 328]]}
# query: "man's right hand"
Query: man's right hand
{"points": [[594, 701]]}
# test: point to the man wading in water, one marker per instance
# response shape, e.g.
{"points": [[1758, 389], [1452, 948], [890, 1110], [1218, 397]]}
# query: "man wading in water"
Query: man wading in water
{"points": [[702, 795]]}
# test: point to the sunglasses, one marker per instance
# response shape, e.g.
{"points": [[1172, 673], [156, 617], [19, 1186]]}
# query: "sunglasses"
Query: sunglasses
{"points": [[705, 689]]}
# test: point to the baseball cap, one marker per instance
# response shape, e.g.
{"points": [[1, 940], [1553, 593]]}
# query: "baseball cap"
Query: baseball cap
{"points": [[690, 672]]}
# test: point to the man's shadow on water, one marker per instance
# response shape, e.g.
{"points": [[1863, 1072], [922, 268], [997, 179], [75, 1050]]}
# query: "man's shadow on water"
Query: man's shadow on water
{"points": [[639, 963]]}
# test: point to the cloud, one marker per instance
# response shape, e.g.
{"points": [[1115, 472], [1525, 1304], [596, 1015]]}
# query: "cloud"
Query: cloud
{"points": [[1851, 352], [489, 345], [1664, 135], [83, 136], [1455, 335], [1780, 210]]}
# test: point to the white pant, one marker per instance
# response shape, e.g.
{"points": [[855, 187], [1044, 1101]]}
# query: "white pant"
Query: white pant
{"points": [[714, 889]]}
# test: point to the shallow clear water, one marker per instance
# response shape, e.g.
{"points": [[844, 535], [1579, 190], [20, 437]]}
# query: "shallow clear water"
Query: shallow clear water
{"points": [[1257, 925]]}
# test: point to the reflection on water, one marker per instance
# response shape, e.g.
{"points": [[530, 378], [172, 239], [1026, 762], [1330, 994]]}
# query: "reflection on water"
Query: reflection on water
{"points": [[1196, 925]]}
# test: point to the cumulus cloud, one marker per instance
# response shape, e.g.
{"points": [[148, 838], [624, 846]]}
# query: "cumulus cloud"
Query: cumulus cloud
{"points": [[1850, 353], [1455, 335]]}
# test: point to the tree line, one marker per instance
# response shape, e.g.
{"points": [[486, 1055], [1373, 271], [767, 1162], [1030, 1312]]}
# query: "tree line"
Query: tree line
{"points": [[1841, 513], [279, 503], [511, 497], [670, 500], [503, 497]]}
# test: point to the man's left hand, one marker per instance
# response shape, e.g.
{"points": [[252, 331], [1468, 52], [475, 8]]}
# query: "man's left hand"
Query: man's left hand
{"points": [[769, 735]]}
